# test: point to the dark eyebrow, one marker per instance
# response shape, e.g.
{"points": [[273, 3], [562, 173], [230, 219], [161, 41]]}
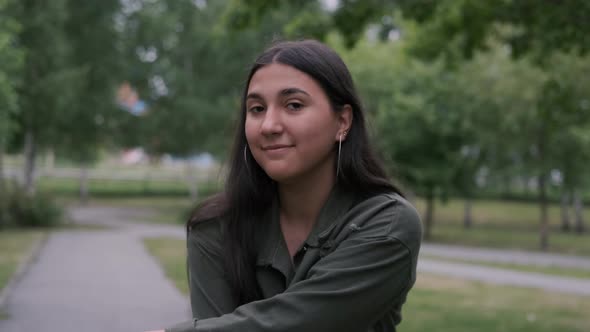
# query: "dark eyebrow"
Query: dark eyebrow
{"points": [[291, 91], [254, 95], [284, 92]]}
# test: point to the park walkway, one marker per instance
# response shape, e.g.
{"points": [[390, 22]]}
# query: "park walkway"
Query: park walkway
{"points": [[105, 280], [96, 280], [499, 276]]}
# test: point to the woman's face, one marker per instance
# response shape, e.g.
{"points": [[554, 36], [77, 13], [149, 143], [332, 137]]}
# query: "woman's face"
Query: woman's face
{"points": [[290, 125]]}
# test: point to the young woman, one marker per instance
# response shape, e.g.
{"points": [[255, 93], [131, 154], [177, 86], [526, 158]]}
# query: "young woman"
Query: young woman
{"points": [[309, 234]]}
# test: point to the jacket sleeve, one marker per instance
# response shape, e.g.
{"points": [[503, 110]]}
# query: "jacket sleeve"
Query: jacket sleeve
{"points": [[347, 290], [210, 292]]}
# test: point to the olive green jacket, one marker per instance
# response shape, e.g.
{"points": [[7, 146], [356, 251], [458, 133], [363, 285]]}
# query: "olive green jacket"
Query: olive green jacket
{"points": [[353, 272]]}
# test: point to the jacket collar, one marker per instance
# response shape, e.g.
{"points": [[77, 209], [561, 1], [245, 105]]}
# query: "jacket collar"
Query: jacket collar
{"points": [[272, 249]]}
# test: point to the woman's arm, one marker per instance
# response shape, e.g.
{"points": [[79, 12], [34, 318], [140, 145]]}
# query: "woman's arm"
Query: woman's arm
{"points": [[210, 291], [348, 290]]}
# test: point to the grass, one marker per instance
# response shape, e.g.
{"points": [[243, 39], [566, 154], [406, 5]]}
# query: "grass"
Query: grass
{"points": [[15, 245], [450, 304], [552, 270], [507, 238], [496, 214], [115, 187], [446, 304], [496, 224], [502, 224], [171, 255]]}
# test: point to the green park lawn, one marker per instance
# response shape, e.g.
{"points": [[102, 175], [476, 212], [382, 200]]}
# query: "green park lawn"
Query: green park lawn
{"points": [[15, 245], [118, 188], [496, 213], [506, 225], [171, 254], [496, 224], [552, 270], [446, 304]]}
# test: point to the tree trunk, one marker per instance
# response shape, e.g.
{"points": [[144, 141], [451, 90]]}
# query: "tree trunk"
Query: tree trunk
{"points": [[83, 184], [565, 217], [30, 155], [145, 187], [192, 182], [467, 218], [3, 193], [579, 212], [544, 229], [2, 181], [428, 215], [50, 160]]}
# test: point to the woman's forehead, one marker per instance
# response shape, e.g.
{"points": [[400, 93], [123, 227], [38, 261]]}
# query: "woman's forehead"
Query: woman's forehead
{"points": [[276, 79]]}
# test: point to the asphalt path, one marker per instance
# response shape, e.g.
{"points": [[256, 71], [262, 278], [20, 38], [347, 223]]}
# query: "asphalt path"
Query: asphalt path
{"points": [[96, 280]]}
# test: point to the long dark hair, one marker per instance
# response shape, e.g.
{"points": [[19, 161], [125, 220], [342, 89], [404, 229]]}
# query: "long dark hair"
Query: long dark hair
{"points": [[249, 191]]}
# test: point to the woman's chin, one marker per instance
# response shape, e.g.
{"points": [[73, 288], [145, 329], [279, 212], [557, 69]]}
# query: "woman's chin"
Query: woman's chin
{"points": [[280, 175]]}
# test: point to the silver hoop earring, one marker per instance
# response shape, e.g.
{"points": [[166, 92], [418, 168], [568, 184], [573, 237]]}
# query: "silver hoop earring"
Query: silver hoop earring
{"points": [[246, 158], [338, 163]]}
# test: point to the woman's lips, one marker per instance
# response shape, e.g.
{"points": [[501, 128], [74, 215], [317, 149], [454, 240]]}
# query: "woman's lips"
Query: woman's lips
{"points": [[276, 151], [275, 147]]}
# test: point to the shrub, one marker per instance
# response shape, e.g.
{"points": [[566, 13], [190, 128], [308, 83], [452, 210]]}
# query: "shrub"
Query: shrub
{"points": [[21, 210]]}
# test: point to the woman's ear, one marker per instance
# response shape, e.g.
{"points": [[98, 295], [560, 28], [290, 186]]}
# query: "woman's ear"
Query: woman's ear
{"points": [[344, 122]]}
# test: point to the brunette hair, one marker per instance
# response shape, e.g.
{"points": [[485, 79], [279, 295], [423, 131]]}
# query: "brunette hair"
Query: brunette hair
{"points": [[249, 191]]}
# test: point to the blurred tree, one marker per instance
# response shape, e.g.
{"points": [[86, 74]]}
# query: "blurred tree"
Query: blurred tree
{"points": [[419, 135], [528, 29], [424, 128], [513, 128], [447, 25], [315, 18], [93, 41], [567, 96], [538, 27], [10, 66], [44, 88]]}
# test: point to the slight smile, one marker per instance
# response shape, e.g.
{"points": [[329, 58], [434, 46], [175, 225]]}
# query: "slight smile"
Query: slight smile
{"points": [[276, 147]]}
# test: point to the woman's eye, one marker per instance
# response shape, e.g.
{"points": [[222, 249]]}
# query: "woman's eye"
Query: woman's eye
{"points": [[294, 106], [256, 109]]}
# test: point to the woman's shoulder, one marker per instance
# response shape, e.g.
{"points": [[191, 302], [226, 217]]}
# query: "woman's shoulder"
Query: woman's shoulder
{"points": [[205, 236], [389, 214], [205, 225]]}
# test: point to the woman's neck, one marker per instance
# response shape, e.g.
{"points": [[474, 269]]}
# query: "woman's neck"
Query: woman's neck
{"points": [[302, 200]]}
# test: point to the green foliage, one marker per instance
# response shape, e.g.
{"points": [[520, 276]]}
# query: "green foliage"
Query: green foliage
{"points": [[92, 39], [419, 130], [311, 19], [538, 27], [499, 97], [43, 88], [10, 66], [566, 100], [23, 210]]}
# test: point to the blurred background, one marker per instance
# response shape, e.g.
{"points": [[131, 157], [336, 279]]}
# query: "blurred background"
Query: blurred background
{"points": [[479, 109]]}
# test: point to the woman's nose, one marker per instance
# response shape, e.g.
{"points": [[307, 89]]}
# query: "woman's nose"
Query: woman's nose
{"points": [[272, 122]]}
